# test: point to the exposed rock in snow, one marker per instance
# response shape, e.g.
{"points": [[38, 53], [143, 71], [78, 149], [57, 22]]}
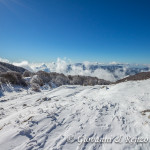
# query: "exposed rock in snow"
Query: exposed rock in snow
{"points": [[139, 76], [4, 67], [110, 72]]}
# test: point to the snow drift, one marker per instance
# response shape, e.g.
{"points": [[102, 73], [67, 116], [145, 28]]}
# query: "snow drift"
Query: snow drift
{"points": [[64, 117]]}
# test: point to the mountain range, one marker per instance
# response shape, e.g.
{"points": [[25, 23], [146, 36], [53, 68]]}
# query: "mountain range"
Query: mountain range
{"points": [[111, 72]]}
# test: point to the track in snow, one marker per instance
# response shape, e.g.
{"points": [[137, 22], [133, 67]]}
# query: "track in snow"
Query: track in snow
{"points": [[47, 119]]}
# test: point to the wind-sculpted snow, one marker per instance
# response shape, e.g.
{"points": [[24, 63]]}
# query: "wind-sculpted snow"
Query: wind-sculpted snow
{"points": [[64, 117]]}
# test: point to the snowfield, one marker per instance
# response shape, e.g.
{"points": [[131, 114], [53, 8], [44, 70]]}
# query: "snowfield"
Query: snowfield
{"points": [[114, 117]]}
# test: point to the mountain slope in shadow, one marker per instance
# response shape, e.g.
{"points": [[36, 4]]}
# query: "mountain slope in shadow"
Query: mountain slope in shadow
{"points": [[4, 67], [139, 76]]}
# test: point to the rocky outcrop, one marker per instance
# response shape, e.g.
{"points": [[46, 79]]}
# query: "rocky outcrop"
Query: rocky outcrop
{"points": [[139, 76], [4, 67]]}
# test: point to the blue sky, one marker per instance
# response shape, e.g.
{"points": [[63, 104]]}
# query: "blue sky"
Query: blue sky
{"points": [[81, 30]]}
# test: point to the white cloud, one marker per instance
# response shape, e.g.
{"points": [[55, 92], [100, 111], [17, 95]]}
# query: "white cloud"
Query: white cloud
{"points": [[23, 64], [4, 60], [61, 65], [86, 68], [113, 63]]}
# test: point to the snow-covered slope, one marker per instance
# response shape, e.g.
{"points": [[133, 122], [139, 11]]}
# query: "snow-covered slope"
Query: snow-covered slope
{"points": [[62, 118]]}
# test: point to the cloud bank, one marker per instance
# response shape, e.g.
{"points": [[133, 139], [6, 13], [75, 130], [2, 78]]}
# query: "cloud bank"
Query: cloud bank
{"points": [[4, 60], [23, 64], [111, 71]]}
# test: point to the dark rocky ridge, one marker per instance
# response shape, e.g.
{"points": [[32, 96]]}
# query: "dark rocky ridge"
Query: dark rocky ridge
{"points": [[15, 75], [5, 67], [139, 76]]}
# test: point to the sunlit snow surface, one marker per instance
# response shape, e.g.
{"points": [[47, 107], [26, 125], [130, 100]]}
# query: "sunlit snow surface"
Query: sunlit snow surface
{"points": [[45, 120]]}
